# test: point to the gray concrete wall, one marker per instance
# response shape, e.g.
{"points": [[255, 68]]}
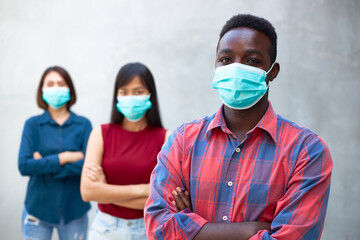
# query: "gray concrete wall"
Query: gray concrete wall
{"points": [[318, 85]]}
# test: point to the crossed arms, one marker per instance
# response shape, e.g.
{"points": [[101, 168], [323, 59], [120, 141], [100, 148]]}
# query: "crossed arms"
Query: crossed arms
{"points": [[299, 212], [94, 186]]}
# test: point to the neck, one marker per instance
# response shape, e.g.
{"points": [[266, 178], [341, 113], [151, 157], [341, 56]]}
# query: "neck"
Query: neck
{"points": [[135, 126], [241, 121], [59, 115]]}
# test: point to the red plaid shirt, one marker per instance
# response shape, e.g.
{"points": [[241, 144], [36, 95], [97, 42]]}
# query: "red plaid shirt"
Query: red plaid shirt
{"points": [[280, 174]]}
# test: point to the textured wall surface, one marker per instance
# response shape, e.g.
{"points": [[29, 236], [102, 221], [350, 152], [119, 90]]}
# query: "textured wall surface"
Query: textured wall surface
{"points": [[318, 85]]}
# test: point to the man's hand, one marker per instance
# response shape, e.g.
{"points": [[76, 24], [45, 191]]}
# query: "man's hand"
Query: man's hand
{"points": [[181, 200], [243, 230], [95, 172]]}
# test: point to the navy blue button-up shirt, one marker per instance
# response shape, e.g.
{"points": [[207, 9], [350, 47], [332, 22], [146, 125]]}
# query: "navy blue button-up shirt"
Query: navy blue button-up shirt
{"points": [[53, 190]]}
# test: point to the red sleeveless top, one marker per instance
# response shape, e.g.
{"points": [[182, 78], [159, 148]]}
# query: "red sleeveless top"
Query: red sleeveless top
{"points": [[129, 158]]}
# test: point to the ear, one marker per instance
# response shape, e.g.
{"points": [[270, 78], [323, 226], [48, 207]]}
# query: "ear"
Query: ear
{"points": [[274, 71]]}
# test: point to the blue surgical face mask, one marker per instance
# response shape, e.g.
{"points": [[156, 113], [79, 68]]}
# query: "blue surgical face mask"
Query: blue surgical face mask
{"points": [[56, 97], [240, 86], [133, 107]]}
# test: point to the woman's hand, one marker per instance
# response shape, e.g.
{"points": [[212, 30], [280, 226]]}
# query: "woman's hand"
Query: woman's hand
{"points": [[181, 200], [36, 155], [95, 172], [69, 157]]}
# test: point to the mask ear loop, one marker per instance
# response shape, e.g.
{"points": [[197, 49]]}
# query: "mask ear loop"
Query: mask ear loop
{"points": [[270, 68], [268, 85]]}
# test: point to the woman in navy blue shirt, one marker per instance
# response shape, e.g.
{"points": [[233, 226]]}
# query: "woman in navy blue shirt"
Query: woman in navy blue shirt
{"points": [[52, 154]]}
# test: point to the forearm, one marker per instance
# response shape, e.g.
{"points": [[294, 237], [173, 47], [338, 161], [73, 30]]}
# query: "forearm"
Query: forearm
{"points": [[107, 193], [70, 157], [70, 169], [137, 203], [227, 231], [30, 166]]}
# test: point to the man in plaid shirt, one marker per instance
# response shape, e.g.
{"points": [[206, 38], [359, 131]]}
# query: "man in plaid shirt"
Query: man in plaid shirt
{"points": [[244, 172]]}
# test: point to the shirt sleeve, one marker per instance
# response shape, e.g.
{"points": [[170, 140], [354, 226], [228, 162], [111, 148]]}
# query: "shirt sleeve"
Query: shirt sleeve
{"points": [[74, 168], [161, 218], [26, 163], [300, 213]]}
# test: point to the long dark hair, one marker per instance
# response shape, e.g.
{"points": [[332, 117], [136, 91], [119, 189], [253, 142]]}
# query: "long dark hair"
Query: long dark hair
{"points": [[124, 76], [66, 76]]}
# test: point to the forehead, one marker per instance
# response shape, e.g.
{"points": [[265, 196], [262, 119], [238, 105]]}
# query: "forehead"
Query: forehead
{"points": [[240, 39], [136, 82], [53, 76]]}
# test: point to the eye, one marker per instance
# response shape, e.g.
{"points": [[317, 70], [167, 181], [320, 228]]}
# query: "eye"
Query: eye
{"points": [[139, 92], [252, 61], [225, 60], [122, 92], [62, 84], [49, 84]]}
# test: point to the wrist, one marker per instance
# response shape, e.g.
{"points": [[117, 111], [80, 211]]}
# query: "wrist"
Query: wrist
{"points": [[62, 160], [79, 155], [139, 190], [146, 190]]}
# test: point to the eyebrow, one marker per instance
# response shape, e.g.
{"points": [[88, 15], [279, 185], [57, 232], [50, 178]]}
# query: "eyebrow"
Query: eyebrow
{"points": [[134, 88], [253, 51], [248, 51], [56, 80], [225, 50]]}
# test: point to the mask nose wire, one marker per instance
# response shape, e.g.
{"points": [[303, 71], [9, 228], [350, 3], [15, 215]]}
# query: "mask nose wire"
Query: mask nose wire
{"points": [[272, 65]]}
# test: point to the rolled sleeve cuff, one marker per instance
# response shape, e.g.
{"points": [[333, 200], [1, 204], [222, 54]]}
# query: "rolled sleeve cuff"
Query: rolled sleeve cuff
{"points": [[259, 235], [200, 223], [189, 223]]}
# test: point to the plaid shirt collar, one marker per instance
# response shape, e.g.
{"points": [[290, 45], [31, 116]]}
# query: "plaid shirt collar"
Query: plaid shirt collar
{"points": [[267, 123]]}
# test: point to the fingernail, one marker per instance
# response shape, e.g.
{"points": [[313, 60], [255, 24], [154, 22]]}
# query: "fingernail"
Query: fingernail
{"points": [[178, 189], [175, 193], [186, 192], [173, 202]]}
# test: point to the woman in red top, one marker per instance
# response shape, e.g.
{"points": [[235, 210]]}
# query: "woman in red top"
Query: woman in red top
{"points": [[120, 157]]}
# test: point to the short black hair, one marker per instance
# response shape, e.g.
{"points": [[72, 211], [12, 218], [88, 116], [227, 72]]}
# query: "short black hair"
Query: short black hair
{"points": [[127, 73], [66, 76], [257, 23]]}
